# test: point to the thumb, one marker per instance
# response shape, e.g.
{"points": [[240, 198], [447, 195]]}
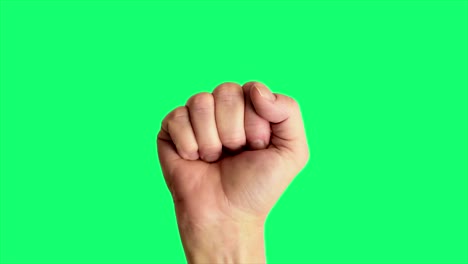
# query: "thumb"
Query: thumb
{"points": [[285, 118]]}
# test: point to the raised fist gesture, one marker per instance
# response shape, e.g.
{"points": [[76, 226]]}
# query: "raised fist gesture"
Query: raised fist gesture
{"points": [[227, 157]]}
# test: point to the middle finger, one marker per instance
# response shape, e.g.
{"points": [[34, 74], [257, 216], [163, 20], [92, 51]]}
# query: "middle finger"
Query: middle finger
{"points": [[202, 117], [229, 109]]}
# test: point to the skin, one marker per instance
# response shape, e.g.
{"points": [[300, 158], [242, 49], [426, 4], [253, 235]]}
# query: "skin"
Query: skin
{"points": [[227, 156]]}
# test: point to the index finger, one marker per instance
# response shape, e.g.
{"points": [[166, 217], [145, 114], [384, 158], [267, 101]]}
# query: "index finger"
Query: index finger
{"points": [[257, 129]]}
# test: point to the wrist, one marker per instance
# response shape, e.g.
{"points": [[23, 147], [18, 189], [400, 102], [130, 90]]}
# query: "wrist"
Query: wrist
{"points": [[223, 241]]}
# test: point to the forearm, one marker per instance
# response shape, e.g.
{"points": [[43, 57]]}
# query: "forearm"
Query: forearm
{"points": [[224, 242]]}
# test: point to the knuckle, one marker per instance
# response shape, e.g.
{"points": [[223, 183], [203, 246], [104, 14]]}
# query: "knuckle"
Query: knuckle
{"points": [[291, 101], [292, 106], [229, 86], [228, 91], [202, 102], [250, 83], [179, 113], [246, 86], [294, 103], [257, 83], [229, 94]]}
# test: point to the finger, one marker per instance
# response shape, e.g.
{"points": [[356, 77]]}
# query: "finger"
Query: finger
{"points": [[178, 127], [257, 129], [175, 141], [229, 114], [167, 154], [202, 117], [283, 113]]}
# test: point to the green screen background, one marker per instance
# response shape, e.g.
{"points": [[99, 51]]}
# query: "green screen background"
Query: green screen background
{"points": [[382, 86]]}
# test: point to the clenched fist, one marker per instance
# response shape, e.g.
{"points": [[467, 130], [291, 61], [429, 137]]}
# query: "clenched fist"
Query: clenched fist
{"points": [[227, 157]]}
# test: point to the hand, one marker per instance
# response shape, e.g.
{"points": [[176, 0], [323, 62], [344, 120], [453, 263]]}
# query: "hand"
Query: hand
{"points": [[227, 157]]}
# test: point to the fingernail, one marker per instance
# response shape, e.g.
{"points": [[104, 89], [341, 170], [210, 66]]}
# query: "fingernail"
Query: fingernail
{"points": [[265, 92], [258, 144], [211, 157]]}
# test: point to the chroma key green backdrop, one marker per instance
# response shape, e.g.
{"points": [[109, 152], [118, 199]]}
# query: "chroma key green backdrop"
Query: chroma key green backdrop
{"points": [[382, 86]]}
